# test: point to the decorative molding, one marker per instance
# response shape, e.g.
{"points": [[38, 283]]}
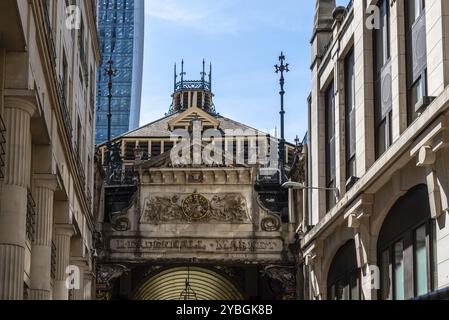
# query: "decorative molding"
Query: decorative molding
{"points": [[285, 275], [108, 272], [313, 253], [195, 208], [271, 223], [360, 209]]}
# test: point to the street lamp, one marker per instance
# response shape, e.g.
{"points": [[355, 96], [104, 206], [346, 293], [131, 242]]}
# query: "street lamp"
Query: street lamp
{"points": [[301, 186]]}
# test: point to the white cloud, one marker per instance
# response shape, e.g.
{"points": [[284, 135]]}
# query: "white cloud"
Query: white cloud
{"points": [[173, 11], [207, 16], [226, 16]]}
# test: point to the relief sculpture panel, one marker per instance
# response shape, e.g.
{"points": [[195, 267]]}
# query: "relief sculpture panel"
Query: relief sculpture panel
{"points": [[195, 207]]}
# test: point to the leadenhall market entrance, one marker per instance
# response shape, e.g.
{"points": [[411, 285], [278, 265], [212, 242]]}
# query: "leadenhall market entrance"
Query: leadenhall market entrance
{"points": [[194, 229]]}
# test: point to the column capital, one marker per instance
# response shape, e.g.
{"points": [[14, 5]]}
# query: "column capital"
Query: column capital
{"points": [[48, 181], [65, 229], [21, 99]]}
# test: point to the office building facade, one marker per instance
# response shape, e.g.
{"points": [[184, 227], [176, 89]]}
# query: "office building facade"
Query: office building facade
{"points": [[121, 32], [378, 142]]}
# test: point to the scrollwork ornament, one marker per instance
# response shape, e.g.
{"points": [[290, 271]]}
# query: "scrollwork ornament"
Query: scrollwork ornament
{"points": [[271, 224]]}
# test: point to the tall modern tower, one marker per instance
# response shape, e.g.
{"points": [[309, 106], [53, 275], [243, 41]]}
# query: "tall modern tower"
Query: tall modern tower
{"points": [[121, 30]]}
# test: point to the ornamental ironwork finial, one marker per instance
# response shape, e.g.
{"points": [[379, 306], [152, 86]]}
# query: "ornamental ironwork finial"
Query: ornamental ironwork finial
{"points": [[110, 72], [182, 74], [281, 68], [210, 76], [203, 74], [175, 78]]}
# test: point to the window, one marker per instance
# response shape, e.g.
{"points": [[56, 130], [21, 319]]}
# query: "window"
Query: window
{"points": [[155, 148], [78, 139], [382, 80], [343, 280], [81, 39], [398, 254], [129, 150], [330, 145], [350, 116], [168, 145], [64, 76], [416, 58], [421, 261], [405, 248]]}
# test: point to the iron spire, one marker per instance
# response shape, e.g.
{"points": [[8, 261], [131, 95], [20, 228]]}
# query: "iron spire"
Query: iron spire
{"points": [[281, 68], [182, 73], [110, 72], [210, 76], [175, 78], [203, 74]]}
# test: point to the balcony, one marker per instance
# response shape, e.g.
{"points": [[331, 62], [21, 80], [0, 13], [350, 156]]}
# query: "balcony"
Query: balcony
{"points": [[49, 35], [65, 111], [2, 148], [79, 166], [31, 214], [89, 197]]}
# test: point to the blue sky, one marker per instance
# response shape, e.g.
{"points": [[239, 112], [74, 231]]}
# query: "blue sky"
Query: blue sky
{"points": [[243, 39]]}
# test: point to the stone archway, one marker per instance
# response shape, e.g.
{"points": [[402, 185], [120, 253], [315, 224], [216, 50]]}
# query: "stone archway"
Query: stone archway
{"points": [[205, 284]]}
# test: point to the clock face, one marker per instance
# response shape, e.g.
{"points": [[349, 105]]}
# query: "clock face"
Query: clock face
{"points": [[195, 207]]}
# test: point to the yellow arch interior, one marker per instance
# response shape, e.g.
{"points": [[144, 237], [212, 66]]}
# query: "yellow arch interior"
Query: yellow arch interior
{"points": [[170, 284]]}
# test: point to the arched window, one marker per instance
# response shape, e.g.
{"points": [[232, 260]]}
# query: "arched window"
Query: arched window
{"points": [[405, 248], [343, 280]]}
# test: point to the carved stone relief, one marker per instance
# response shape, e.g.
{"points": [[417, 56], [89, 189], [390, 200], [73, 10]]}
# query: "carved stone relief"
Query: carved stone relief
{"points": [[195, 208], [271, 223]]}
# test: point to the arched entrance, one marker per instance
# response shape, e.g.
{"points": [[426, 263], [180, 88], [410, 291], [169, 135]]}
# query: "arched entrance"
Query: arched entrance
{"points": [[343, 280], [405, 248], [188, 283]]}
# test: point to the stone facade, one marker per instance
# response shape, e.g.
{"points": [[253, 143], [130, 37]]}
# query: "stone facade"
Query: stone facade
{"points": [[47, 102], [416, 158], [223, 225]]}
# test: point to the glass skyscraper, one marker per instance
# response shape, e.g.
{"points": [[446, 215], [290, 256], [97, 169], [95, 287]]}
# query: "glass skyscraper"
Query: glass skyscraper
{"points": [[121, 31]]}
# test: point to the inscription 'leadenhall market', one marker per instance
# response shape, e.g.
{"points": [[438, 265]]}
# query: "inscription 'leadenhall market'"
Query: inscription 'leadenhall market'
{"points": [[237, 245]]}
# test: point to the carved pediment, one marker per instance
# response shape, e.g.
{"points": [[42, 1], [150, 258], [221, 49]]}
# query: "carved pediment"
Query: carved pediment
{"points": [[185, 119]]}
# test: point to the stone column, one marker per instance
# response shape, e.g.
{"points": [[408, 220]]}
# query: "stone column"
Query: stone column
{"points": [[63, 233], [358, 219], [313, 261], [43, 191], [13, 201]]}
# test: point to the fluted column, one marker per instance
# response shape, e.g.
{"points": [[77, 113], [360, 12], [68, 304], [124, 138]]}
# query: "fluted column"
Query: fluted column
{"points": [[78, 294], [13, 203], [62, 242], [88, 284], [43, 191]]}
